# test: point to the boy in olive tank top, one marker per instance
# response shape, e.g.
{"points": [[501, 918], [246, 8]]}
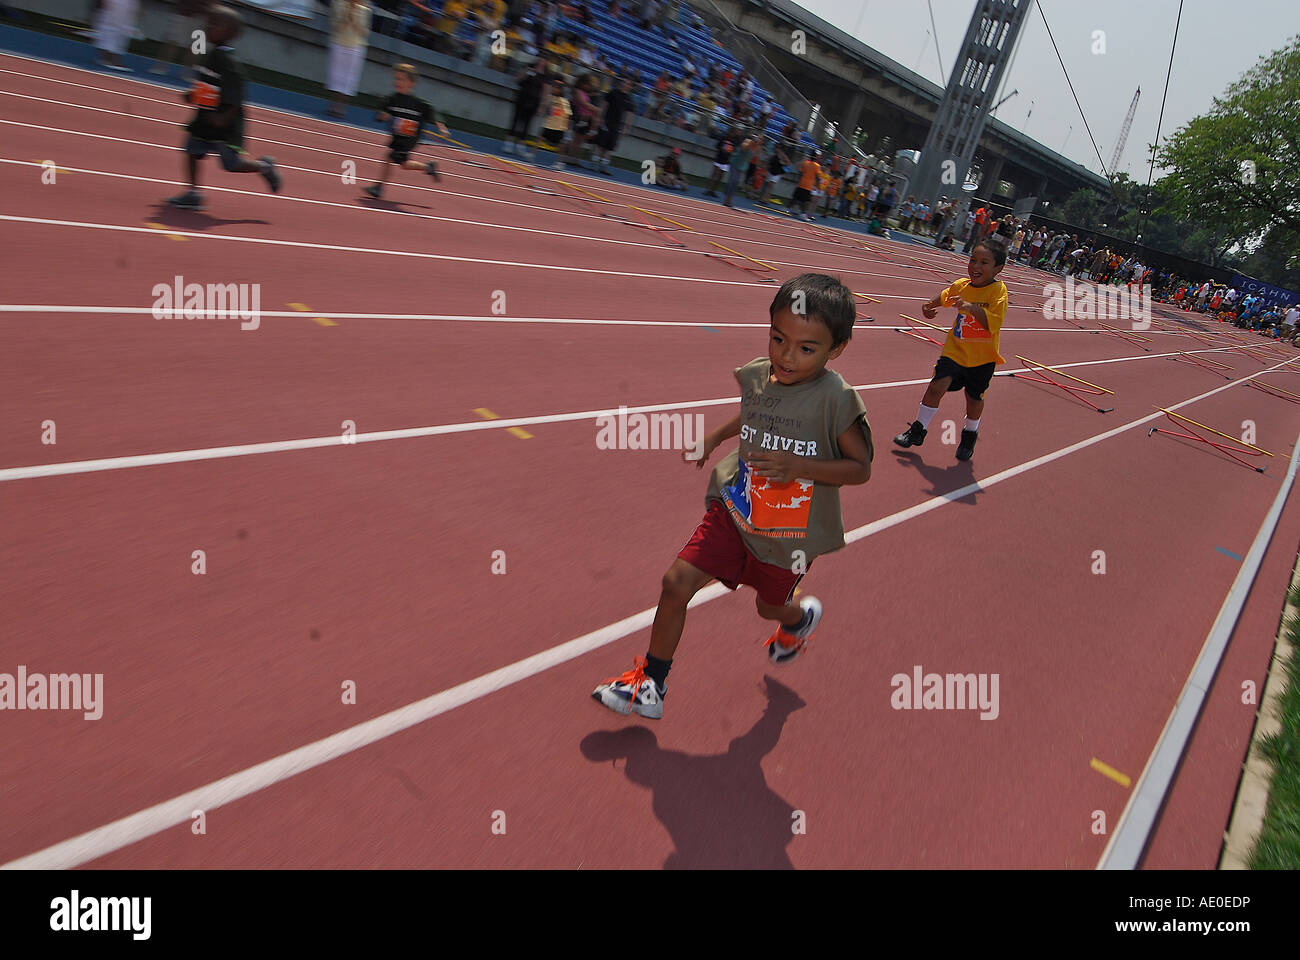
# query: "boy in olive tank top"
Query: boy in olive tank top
{"points": [[773, 504]]}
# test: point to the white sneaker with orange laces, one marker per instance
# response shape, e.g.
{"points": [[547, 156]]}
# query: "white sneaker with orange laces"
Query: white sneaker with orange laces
{"points": [[631, 691], [785, 645]]}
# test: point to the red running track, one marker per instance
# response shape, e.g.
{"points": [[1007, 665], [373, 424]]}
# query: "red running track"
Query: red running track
{"points": [[372, 564]]}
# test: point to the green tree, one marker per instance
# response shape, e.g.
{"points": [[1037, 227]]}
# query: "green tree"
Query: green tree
{"points": [[1235, 172], [1080, 208]]}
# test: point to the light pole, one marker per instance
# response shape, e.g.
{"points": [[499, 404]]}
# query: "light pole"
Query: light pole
{"points": [[1067, 138]]}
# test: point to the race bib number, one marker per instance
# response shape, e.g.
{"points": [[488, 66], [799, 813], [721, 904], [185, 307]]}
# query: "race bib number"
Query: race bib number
{"points": [[773, 509], [205, 96], [404, 127], [967, 329]]}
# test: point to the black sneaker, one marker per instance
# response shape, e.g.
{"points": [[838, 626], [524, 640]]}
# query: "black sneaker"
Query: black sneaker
{"points": [[190, 200], [270, 174], [967, 446], [373, 190], [913, 436], [432, 170]]}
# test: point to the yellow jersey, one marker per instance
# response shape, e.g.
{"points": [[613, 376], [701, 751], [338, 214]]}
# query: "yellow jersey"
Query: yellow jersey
{"points": [[968, 343]]}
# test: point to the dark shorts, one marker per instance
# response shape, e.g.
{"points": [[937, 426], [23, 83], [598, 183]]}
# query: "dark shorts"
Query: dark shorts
{"points": [[399, 151], [717, 549], [230, 155], [607, 137], [800, 194], [553, 137], [581, 128], [974, 380]]}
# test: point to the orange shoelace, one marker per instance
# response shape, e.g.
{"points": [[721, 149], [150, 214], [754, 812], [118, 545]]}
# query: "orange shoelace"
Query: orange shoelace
{"points": [[634, 677], [799, 644]]}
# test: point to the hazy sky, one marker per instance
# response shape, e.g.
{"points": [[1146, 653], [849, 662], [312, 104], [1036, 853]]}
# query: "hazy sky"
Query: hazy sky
{"points": [[1218, 40]]}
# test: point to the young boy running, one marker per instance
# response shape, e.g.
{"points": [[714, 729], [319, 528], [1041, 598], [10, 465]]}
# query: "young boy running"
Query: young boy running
{"points": [[407, 117], [218, 123], [970, 354], [773, 505]]}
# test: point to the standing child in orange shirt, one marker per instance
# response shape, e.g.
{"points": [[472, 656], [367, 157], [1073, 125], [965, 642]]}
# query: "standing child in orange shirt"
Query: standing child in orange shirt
{"points": [[809, 171]]}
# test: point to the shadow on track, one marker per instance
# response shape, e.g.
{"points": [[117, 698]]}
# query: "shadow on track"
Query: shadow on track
{"points": [[718, 809]]}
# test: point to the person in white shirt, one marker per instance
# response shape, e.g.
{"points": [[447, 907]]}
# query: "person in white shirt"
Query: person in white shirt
{"points": [[349, 37], [114, 24]]}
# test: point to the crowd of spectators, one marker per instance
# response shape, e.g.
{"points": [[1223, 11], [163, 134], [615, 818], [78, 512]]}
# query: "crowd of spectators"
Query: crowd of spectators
{"points": [[704, 97]]}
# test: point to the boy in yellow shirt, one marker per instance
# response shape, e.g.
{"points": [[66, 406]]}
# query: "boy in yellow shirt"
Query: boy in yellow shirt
{"points": [[970, 354]]}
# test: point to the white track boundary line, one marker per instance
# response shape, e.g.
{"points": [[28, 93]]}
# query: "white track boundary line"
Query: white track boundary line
{"points": [[1138, 821], [152, 820], [68, 467]]}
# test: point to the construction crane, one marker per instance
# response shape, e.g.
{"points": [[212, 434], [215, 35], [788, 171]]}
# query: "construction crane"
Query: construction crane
{"points": [[1123, 134]]}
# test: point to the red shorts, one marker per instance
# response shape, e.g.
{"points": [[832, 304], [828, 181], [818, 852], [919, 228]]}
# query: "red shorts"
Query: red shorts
{"points": [[717, 549]]}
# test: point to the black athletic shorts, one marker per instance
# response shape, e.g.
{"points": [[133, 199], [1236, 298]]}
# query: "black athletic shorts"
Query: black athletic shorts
{"points": [[399, 150], [974, 380], [607, 137]]}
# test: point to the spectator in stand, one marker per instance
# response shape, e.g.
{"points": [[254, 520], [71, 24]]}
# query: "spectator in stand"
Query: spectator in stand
{"points": [[585, 117], [454, 13], [977, 230], [722, 158], [1291, 319], [834, 184], [669, 171], [1036, 246], [886, 203], [114, 22], [777, 163], [613, 124], [942, 216], [809, 171], [1016, 243], [905, 215], [867, 198], [533, 83], [349, 37], [187, 16], [558, 113], [649, 10]]}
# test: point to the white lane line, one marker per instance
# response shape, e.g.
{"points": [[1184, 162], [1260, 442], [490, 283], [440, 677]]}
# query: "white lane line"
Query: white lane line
{"points": [[640, 195], [343, 248], [1129, 841], [782, 241], [139, 826], [367, 210], [862, 326], [690, 210], [67, 467]]}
